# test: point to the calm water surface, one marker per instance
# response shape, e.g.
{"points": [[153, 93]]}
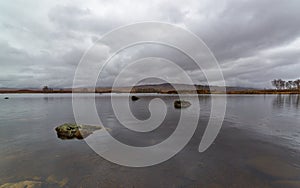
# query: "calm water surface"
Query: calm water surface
{"points": [[258, 145]]}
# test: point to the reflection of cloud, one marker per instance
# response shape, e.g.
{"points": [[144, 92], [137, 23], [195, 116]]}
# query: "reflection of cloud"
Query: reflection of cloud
{"points": [[254, 41]]}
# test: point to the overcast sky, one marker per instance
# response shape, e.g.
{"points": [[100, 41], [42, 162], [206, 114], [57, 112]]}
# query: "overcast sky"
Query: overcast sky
{"points": [[255, 41]]}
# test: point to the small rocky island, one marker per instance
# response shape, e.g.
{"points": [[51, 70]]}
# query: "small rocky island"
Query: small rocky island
{"points": [[71, 131], [181, 104]]}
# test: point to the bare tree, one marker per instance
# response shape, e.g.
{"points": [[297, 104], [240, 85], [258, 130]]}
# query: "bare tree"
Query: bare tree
{"points": [[290, 84], [46, 89], [282, 84], [297, 84], [275, 83]]}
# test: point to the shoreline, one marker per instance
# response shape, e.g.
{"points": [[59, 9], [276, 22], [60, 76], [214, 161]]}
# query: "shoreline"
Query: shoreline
{"points": [[248, 92]]}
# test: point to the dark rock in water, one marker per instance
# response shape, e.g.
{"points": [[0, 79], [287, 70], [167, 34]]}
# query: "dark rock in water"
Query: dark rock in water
{"points": [[6, 97], [70, 131], [181, 104], [134, 98]]}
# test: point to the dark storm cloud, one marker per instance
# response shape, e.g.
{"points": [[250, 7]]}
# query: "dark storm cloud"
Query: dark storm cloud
{"points": [[243, 28], [41, 43]]}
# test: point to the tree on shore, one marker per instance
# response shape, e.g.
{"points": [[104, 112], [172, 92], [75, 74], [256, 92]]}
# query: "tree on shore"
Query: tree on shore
{"points": [[289, 84], [282, 84], [46, 89], [297, 84], [275, 83], [279, 83]]}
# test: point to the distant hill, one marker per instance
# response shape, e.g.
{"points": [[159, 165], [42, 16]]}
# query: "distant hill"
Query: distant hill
{"points": [[186, 87], [170, 88]]}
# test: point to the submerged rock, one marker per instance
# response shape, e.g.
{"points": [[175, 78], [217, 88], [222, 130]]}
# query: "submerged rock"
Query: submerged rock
{"points": [[6, 97], [27, 184], [181, 104], [70, 131], [37, 182], [134, 98], [282, 170], [53, 180]]}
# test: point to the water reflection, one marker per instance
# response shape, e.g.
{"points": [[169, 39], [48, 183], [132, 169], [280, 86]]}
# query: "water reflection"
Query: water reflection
{"points": [[258, 146], [287, 101]]}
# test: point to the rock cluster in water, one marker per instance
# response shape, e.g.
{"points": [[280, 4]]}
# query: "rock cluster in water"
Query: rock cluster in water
{"points": [[70, 131], [181, 104]]}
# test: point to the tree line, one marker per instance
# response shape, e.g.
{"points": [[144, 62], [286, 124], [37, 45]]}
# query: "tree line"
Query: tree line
{"points": [[282, 84]]}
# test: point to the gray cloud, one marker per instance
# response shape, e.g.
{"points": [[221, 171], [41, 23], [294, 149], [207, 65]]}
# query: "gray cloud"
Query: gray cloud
{"points": [[254, 41]]}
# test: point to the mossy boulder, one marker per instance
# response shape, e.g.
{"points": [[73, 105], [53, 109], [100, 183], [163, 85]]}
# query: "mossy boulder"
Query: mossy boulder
{"points": [[70, 131], [181, 104]]}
